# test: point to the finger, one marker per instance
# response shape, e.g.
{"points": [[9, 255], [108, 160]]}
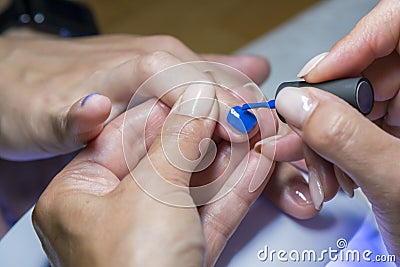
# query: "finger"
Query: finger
{"points": [[257, 68], [227, 157], [285, 146], [378, 111], [166, 79], [344, 181], [130, 134], [289, 191], [391, 122], [85, 119], [96, 171], [146, 44], [179, 149], [300, 165], [375, 36], [341, 135], [384, 74], [321, 178], [222, 217]]}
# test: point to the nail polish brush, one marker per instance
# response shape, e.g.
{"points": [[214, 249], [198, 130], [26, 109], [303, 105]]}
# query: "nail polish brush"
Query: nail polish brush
{"points": [[358, 92]]}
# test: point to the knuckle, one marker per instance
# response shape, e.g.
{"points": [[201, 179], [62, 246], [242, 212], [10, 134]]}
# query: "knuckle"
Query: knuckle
{"points": [[217, 225], [187, 137], [127, 55], [60, 126], [154, 62], [337, 129], [192, 132], [98, 75], [170, 43], [96, 79]]}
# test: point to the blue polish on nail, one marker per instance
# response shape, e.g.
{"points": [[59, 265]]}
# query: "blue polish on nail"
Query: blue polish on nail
{"points": [[243, 120], [87, 97]]}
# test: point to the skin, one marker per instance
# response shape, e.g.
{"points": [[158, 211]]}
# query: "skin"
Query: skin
{"points": [[43, 113], [54, 123], [47, 79], [347, 146], [98, 191]]}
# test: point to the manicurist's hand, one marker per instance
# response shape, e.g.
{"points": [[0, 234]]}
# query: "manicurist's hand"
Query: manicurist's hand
{"points": [[124, 200], [372, 49], [339, 145], [47, 83]]}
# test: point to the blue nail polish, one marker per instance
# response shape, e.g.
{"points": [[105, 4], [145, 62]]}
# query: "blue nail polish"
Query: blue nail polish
{"points": [[87, 97], [243, 120]]}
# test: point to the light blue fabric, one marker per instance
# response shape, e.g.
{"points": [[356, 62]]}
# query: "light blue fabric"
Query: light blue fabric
{"points": [[21, 247]]}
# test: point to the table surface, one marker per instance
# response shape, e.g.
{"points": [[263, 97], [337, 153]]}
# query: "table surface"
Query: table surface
{"points": [[221, 26]]}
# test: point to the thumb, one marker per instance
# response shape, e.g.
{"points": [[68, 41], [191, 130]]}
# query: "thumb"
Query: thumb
{"points": [[341, 135], [376, 35]]}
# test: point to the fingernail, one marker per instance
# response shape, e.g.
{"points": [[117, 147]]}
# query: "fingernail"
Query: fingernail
{"points": [[255, 183], [197, 100], [316, 190], [260, 174], [301, 193], [86, 98], [241, 119], [344, 181], [310, 65], [295, 105], [267, 144]]}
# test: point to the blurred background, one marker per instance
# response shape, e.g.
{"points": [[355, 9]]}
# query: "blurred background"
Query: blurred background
{"points": [[219, 26]]}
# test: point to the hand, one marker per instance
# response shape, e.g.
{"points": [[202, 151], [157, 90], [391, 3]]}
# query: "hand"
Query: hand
{"points": [[355, 146], [342, 144], [97, 207], [372, 50], [48, 106]]}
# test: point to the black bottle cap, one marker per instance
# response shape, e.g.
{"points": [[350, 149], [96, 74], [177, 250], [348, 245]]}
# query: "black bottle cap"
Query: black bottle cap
{"points": [[358, 92]]}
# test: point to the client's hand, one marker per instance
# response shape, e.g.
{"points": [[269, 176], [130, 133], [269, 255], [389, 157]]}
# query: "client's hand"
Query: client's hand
{"points": [[48, 101], [99, 212]]}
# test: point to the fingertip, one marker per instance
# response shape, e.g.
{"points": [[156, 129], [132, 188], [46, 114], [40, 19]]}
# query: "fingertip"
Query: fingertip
{"points": [[289, 191], [286, 148], [87, 116], [311, 65]]}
